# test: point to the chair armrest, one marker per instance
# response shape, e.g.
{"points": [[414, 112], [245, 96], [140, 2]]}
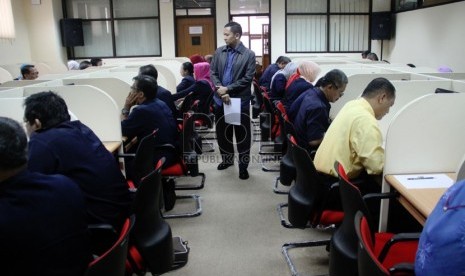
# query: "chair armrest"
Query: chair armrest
{"points": [[403, 269], [401, 237], [372, 196]]}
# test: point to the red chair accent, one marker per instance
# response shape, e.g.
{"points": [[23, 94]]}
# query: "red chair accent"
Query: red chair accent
{"points": [[186, 165], [113, 261], [344, 242], [383, 253], [152, 244], [307, 202]]}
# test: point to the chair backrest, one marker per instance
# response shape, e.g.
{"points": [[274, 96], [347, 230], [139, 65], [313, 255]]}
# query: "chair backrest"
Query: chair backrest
{"points": [[344, 242], [187, 103], [258, 93], [144, 160], [113, 261], [204, 94], [281, 112], [368, 263], [307, 195], [151, 235], [187, 134]]}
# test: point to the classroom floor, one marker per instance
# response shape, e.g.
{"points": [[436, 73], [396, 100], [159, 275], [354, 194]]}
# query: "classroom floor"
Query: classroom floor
{"points": [[239, 231]]}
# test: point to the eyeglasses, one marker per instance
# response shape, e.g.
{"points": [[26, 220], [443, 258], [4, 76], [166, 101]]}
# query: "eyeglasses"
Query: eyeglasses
{"points": [[134, 88]]}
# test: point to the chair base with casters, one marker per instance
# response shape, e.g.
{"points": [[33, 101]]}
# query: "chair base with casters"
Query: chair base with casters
{"points": [[287, 174], [292, 245], [198, 207], [276, 188]]}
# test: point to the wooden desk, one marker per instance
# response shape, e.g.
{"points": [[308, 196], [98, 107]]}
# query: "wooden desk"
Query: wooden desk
{"points": [[418, 202], [112, 146]]}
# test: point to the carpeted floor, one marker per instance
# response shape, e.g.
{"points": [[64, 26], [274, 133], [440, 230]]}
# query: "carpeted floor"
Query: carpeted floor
{"points": [[239, 232]]}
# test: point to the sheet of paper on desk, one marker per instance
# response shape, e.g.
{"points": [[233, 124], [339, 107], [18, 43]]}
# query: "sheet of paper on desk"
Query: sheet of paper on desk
{"points": [[424, 181]]}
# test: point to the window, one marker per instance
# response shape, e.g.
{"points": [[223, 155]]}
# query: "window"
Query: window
{"points": [[405, 5], [192, 8], [327, 25], [116, 28], [7, 24], [253, 15]]}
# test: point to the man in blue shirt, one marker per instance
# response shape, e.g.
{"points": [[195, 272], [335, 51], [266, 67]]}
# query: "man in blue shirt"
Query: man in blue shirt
{"points": [[162, 93], [232, 71], [150, 114], [43, 228], [310, 112], [265, 79], [58, 145]]}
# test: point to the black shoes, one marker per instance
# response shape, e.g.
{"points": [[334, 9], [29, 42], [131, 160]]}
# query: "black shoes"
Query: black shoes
{"points": [[224, 166], [243, 174]]}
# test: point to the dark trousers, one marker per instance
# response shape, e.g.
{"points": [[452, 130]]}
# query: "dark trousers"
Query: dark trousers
{"points": [[224, 135]]}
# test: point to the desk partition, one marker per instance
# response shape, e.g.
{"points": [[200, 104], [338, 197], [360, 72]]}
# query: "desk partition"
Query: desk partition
{"points": [[425, 136], [116, 88], [92, 106], [358, 82]]}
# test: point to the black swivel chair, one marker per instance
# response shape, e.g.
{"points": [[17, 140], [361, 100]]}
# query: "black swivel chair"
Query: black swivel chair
{"points": [[344, 242], [151, 239], [307, 203]]}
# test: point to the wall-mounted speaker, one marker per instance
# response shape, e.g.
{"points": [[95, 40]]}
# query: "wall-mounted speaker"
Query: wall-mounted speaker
{"points": [[71, 32], [381, 25]]}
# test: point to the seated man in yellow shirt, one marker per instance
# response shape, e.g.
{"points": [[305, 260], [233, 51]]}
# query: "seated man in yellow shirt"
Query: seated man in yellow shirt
{"points": [[354, 138]]}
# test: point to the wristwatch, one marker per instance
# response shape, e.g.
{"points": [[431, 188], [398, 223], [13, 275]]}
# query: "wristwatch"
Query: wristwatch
{"points": [[125, 112]]}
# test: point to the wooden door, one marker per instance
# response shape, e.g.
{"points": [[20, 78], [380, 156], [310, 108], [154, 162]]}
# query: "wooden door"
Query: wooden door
{"points": [[195, 35]]}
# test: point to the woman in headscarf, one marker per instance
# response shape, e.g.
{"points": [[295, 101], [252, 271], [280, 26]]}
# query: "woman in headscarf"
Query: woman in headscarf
{"points": [[279, 80], [301, 81], [203, 86]]}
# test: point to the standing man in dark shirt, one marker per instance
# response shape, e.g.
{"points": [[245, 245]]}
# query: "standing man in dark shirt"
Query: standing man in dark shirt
{"points": [[58, 145], [43, 228], [232, 71]]}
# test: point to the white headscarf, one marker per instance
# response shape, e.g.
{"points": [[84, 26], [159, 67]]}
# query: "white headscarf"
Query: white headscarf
{"points": [[287, 71], [73, 65]]}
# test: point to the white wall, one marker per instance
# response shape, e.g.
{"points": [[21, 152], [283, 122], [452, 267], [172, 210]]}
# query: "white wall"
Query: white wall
{"points": [[222, 14], [430, 37], [167, 30]]}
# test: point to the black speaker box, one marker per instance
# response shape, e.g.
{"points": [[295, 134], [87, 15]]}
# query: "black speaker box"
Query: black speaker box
{"points": [[71, 32], [381, 25]]}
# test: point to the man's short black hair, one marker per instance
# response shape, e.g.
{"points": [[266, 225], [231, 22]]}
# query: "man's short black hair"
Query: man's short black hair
{"points": [[236, 28], [148, 85], [282, 59], [149, 70], [48, 107], [13, 144], [26, 69], [95, 61], [377, 86]]}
